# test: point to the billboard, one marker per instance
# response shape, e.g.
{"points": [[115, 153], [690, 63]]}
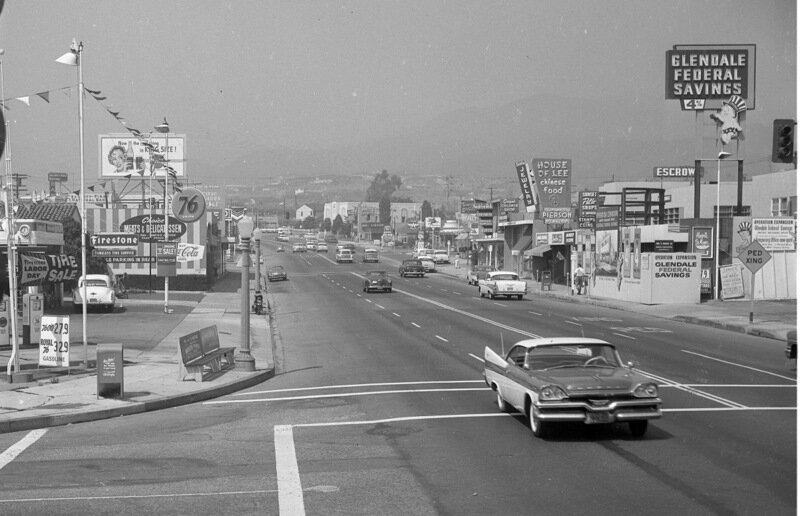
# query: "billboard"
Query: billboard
{"points": [[527, 183], [702, 76], [124, 154], [587, 209], [552, 177]]}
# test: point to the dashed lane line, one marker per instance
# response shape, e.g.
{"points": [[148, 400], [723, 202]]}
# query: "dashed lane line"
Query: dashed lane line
{"points": [[741, 365], [441, 338]]}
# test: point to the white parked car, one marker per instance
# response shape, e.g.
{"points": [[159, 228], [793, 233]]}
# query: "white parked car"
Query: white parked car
{"points": [[502, 283], [99, 292], [441, 256]]}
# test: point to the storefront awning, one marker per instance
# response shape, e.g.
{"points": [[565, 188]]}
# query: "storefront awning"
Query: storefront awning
{"points": [[539, 250], [523, 243]]}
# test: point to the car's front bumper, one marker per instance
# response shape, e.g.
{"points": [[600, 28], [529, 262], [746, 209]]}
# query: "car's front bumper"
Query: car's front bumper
{"points": [[615, 411]]}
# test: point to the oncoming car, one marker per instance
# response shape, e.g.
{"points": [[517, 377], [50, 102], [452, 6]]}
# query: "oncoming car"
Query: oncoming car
{"points": [[370, 255], [276, 273], [571, 379], [99, 292], [344, 255], [377, 280], [298, 248]]}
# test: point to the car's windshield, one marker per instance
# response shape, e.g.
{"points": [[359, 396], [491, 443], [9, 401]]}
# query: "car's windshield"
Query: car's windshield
{"points": [[411, 262], [376, 275], [572, 355], [276, 268]]}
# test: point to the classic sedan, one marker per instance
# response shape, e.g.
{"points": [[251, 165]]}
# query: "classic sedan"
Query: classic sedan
{"points": [[478, 272], [377, 280], [99, 292], [571, 379], [322, 247], [276, 273], [502, 283], [298, 248], [428, 265]]}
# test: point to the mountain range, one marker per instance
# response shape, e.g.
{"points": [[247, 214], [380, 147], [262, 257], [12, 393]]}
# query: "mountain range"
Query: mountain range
{"points": [[616, 138]]}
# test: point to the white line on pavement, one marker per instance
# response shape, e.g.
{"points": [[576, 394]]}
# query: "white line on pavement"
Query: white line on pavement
{"points": [[441, 338], [396, 314], [379, 306], [479, 359], [499, 304], [573, 323], [415, 324], [12, 452], [357, 385], [739, 365], [342, 395], [290, 490], [623, 335]]}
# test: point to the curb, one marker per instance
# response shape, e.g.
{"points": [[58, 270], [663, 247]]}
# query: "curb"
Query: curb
{"points": [[34, 422]]}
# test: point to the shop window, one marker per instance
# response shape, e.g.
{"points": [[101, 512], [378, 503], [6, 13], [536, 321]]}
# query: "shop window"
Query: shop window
{"points": [[784, 206], [731, 211]]}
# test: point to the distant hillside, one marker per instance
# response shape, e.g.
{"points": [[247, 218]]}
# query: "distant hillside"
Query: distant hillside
{"points": [[615, 137]]}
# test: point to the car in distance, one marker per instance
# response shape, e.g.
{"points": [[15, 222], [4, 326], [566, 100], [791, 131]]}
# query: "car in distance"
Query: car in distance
{"points": [[276, 273], [322, 247], [377, 280], [502, 283], [478, 272], [298, 248], [370, 255], [571, 379], [412, 267], [428, 265], [280, 249], [99, 292], [344, 255], [440, 256]]}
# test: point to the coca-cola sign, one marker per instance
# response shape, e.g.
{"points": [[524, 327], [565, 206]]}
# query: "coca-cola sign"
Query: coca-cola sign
{"points": [[150, 228], [190, 252]]}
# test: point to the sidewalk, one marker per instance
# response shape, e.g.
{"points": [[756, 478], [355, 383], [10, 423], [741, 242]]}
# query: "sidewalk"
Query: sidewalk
{"points": [[150, 379], [772, 319]]}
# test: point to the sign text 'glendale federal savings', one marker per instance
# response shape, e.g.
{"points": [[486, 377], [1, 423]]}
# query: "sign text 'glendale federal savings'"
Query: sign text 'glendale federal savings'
{"points": [[710, 72]]}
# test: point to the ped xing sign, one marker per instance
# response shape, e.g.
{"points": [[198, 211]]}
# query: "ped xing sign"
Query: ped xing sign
{"points": [[754, 256]]}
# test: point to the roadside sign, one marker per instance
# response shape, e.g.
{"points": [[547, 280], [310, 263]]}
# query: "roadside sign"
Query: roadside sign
{"points": [[114, 240], [166, 258], [189, 205], [754, 256], [54, 341], [57, 177]]}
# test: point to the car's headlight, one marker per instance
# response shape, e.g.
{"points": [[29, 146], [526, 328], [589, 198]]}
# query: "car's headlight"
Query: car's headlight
{"points": [[646, 390], [552, 393]]}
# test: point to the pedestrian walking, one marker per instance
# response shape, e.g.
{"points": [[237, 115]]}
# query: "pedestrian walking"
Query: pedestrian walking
{"points": [[579, 279]]}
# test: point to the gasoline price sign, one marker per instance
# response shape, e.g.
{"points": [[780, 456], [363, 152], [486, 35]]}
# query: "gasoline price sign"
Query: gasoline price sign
{"points": [[188, 205], [54, 341]]}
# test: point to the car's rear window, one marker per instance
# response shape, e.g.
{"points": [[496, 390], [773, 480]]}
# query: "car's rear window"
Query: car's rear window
{"points": [[96, 283], [505, 277]]}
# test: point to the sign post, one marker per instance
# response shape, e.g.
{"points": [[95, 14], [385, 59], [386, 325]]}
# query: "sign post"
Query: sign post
{"points": [[754, 256]]}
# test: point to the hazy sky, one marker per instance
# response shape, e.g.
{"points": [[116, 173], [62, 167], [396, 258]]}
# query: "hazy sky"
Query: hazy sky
{"points": [[319, 74]]}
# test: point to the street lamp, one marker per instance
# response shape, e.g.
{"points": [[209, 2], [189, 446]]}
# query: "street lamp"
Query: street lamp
{"points": [[163, 127], [257, 238], [722, 155], [12, 278], [244, 360], [75, 58]]}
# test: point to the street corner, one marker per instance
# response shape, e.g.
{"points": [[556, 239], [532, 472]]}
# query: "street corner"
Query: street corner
{"points": [[19, 400]]}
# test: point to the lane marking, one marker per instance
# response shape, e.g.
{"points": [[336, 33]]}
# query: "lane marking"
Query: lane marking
{"points": [[395, 314], [343, 395], [379, 306], [20, 446], [740, 365], [415, 324], [290, 489], [499, 304], [359, 385], [368, 300], [476, 357], [441, 338], [692, 390], [624, 336], [573, 323], [403, 419], [534, 313], [131, 497], [738, 385]]}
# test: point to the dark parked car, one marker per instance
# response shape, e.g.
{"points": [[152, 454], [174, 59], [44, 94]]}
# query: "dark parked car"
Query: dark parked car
{"points": [[411, 267], [378, 280]]}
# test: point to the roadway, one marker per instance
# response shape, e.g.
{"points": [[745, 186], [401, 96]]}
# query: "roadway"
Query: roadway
{"points": [[378, 407]]}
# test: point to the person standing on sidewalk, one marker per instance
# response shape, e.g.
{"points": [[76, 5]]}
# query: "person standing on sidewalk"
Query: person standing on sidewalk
{"points": [[580, 276]]}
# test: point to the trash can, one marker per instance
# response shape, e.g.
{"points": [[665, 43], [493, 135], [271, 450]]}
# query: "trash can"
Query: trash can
{"points": [[110, 381]]}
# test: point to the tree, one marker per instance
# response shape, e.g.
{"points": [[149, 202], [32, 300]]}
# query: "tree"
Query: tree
{"points": [[383, 186], [426, 210], [347, 229], [385, 211], [326, 224], [336, 225], [309, 222]]}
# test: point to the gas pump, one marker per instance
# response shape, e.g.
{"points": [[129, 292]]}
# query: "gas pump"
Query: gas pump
{"points": [[32, 311], [5, 323]]}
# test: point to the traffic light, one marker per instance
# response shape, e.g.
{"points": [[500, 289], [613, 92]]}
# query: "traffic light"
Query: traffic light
{"points": [[783, 141]]}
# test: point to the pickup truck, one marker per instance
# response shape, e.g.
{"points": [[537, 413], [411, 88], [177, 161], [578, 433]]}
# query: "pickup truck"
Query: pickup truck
{"points": [[411, 268], [502, 283]]}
